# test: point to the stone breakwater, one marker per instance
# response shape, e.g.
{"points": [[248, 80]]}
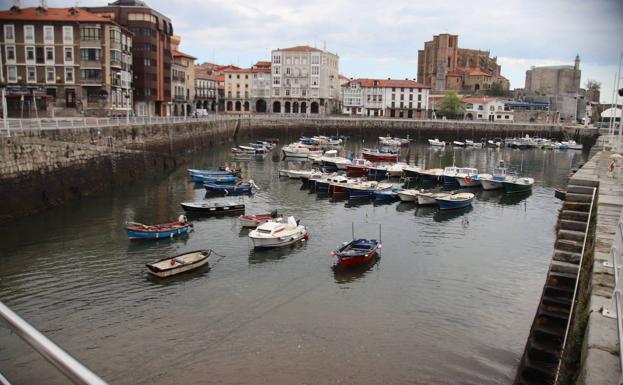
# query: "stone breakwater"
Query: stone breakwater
{"points": [[40, 169]]}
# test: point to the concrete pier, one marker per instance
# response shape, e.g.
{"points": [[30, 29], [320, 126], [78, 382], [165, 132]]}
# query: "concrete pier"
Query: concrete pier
{"points": [[600, 348]]}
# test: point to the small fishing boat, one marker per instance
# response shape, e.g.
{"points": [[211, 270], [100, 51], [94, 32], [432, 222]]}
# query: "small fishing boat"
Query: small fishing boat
{"points": [[429, 198], [436, 142], [495, 142], [357, 251], [337, 184], [332, 161], [297, 174], [231, 189], [471, 143], [449, 176], [515, 184], [299, 151], [467, 177], [381, 154], [387, 195], [255, 220], [205, 178], [365, 189], [432, 175], [277, 234], [214, 171], [396, 169], [411, 172], [493, 181], [358, 167], [377, 172], [454, 201], [310, 176], [408, 195], [457, 143], [572, 145], [167, 230], [178, 264], [213, 207]]}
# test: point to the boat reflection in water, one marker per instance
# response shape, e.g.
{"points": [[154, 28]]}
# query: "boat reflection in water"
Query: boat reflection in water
{"points": [[425, 211], [157, 244], [405, 206], [258, 256], [446, 215], [514, 199], [200, 272], [352, 273], [489, 195]]}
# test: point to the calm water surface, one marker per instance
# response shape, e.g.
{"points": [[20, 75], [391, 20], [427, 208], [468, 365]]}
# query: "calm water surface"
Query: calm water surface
{"points": [[450, 301]]}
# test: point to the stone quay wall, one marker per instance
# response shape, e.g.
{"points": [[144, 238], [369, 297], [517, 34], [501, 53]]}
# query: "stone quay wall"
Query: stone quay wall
{"points": [[40, 169]]}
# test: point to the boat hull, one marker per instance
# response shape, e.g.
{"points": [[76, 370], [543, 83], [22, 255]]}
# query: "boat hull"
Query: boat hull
{"points": [[356, 171], [491, 185], [360, 194], [176, 265], [467, 182], [356, 260], [377, 173], [510, 187], [405, 197], [381, 157], [447, 204], [268, 243], [213, 210], [136, 234]]}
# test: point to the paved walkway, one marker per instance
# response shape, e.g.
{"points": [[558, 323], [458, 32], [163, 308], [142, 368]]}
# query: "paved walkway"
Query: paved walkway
{"points": [[601, 345]]}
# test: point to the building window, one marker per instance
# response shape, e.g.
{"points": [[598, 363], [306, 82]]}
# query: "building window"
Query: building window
{"points": [[69, 55], [91, 75], [276, 59], [30, 55], [276, 70], [50, 75], [276, 81], [11, 73], [287, 92], [10, 54], [68, 35], [48, 34], [29, 34], [31, 74], [90, 33], [49, 55], [9, 33], [90, 54], [142, 17], [69, 75], [315, 59], [115, 36], [315, 70]]}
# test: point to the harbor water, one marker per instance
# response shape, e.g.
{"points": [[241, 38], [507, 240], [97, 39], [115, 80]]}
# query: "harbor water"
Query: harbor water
{"points": [[450, 301]]}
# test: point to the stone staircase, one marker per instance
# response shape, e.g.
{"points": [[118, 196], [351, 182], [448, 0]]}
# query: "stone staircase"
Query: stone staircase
{"points": [[544, 347]]}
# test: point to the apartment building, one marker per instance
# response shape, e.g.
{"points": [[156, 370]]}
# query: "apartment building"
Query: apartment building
{"points": [[304, 80], [152, 55], [487, 109], [206, 90], [261, 86], [64, 62], [183, 80], [389, 98]]}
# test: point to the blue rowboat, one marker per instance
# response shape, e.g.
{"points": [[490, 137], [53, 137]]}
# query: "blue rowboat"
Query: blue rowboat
{"points": [[230, 189], [387, 195], [214, 171], [454, 201], [226, 179], [167, 230]]}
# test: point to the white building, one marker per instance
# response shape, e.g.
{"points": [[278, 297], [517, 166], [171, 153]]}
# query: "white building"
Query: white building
{"points": [[304, 80], [261, 86], [487, 109], [389, 98]]}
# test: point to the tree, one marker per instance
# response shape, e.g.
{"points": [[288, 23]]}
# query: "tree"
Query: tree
{"points": [[496, 89], [451, 106], [592, 85]]}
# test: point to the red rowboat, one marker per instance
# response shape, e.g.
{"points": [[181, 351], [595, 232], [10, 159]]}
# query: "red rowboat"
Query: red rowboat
{"points": [[380, 154]]}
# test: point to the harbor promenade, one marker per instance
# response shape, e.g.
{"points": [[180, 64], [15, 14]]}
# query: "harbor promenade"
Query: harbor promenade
{"points": [[600, 348]]}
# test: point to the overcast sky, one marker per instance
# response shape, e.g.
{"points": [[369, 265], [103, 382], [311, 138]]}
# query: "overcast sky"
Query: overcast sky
{"points": [[381, 38]]}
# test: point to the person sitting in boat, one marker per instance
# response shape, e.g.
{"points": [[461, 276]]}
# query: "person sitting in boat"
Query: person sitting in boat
{"points": [[182, 219]]}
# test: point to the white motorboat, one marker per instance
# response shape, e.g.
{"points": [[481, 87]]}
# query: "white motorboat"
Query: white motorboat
{"points": [[572, 145], [436, 142], [299, 151], [277, 234], [471, 143], [429, 198], [408, 195], [253, 221], [467, 177], [331, 159], [298, 174], [494, 181], [396, 169], [449, 175], [457, 143]]}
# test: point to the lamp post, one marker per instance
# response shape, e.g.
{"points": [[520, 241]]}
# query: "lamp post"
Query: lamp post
{"points": [[127, 115]]}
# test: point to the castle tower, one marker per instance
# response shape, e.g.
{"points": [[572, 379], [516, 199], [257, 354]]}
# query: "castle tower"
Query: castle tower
{"points": [[577, 62]]}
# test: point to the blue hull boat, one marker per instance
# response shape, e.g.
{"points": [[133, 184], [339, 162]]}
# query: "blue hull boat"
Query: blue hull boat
{"points": [[169, 230], [360, 194], [455, 201], [226, 179], [230, 189], [322, 186], [213, 171], [450, 181], [377, 173], [387, 195]]}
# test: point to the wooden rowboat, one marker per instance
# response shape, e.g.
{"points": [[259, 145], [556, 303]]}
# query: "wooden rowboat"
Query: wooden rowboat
{"points": [[178, 264]]}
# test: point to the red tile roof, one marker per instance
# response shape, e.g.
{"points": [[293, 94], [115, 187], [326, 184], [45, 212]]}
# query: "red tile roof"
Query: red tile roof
{"points": [[263, 64], [53, 14], [300, 48], [182, 54], [340, 76], [479, 100], [385, 83], [227, 67], [473, 71]]}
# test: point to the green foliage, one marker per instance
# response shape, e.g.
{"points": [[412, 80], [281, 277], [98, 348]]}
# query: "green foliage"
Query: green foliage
{"points": [[451, 106], [592, 85], [496, 89]]}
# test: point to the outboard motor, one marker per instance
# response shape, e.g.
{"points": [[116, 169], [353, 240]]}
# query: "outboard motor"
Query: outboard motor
{"points": [[182, 218], [274, 214]]}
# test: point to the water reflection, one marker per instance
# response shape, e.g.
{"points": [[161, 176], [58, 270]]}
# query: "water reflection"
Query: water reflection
{"points": [[515, 198], [259, 256], [350, 274], [425, 211], [447, 215], [180, 279], [490, 195], [405, 206]]}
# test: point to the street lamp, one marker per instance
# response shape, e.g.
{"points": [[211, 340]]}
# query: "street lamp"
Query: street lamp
{"points": [[127, 96]]}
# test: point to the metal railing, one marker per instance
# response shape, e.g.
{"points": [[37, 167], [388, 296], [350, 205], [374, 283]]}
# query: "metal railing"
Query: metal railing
{"points": [[617, 262], [66, 364], [577, 284]]}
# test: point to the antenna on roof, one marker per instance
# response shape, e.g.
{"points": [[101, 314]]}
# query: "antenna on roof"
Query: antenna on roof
{"points": [[44, 3], [16, 3]]}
